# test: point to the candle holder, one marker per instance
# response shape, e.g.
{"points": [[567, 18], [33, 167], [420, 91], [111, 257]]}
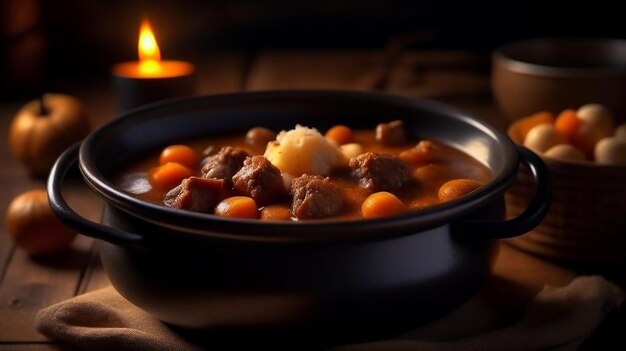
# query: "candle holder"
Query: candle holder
{"points": [[150, 79], [135, 89]]}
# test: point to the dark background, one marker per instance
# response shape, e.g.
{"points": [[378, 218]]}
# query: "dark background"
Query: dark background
{"points": [[44, 41]]}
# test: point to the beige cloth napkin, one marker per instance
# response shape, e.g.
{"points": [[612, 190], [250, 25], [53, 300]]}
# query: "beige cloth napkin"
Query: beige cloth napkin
{"points": [[557, 318]]}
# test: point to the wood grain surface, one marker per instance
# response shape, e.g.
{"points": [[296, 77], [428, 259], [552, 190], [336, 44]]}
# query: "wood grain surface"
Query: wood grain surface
{"points": [[27, 284], [459, 78]]}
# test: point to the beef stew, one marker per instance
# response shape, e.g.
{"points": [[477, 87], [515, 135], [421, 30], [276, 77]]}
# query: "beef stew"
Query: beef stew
{"points": [[303, 175]]}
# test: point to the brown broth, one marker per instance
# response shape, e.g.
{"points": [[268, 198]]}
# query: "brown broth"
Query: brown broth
{"points": [[452, 164]]}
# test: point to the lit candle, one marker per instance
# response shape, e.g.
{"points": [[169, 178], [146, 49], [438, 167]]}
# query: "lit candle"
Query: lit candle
{"points": [[151, 79]]}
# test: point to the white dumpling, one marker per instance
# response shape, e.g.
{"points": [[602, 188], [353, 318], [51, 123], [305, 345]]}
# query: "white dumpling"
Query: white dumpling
{"points": [[304, 150], [611, 151], [565, 152], [597, 118], [620, 132], [542, 137]]}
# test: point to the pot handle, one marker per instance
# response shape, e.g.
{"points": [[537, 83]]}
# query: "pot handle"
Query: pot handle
{"points": [[69, 217], [531, 216]]}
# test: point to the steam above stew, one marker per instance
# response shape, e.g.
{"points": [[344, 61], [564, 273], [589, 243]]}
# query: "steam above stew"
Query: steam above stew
{"points": [[301, 174]]}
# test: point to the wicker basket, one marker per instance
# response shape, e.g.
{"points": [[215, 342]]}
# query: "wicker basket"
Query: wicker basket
{"points": [[587, 219]]}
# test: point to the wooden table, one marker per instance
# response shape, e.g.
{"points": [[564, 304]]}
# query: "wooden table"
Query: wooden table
{"points": [[27, 284]]}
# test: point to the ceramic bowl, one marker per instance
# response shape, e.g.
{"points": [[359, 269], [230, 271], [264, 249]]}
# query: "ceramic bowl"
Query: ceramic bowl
{"points": [[554, 74]]}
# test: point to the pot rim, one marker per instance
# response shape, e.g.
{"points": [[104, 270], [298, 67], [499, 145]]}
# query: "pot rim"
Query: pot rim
{"points": [[207, 225]]}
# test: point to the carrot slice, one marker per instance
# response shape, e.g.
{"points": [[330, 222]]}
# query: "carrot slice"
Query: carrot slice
{"points": [[182, 154], [168, 175], [237, 207], [382, 204], [520, 128], [567, 123], [339, 133]]}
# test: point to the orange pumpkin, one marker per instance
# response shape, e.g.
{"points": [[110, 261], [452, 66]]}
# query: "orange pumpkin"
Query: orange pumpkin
{"points": [[38, 135], [33, 226]]}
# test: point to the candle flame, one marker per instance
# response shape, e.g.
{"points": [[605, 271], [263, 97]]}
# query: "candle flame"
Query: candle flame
{"points": [[149, 53]]}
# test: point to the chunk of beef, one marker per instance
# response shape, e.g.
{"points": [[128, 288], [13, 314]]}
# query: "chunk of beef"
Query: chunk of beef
{"points": [[260, 179], [391, 133], [315, 197], [380, 172], [210, 150], [196, 194], [424, 152], [223, 164]]}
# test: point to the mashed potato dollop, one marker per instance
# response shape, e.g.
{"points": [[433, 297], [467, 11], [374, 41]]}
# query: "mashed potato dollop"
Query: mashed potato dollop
{"points": [[304, 150]]}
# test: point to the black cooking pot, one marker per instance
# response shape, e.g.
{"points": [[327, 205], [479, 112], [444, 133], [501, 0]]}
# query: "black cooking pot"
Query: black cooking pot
{"points": [[201, 271]]}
